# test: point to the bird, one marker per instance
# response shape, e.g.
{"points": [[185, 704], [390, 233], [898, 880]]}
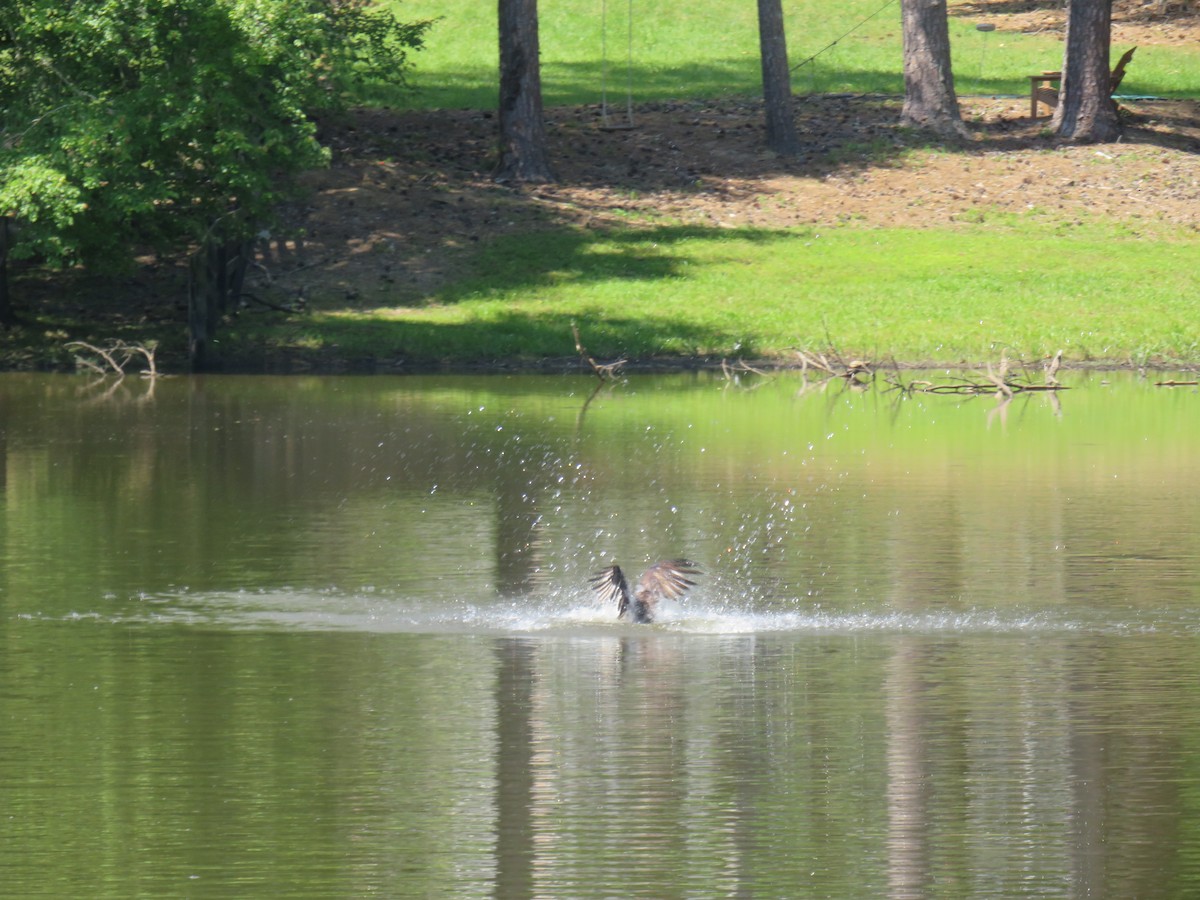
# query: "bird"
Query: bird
{"points": [[668, 578]]}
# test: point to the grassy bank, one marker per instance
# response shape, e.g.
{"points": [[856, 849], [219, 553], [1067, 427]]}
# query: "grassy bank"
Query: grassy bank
{"points": [[1030, 287], [419, 259], [919, 295]]}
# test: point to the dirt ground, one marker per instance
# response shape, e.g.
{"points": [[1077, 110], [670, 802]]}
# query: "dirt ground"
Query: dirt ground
{"points": [[1135, 22], [409, 193]]}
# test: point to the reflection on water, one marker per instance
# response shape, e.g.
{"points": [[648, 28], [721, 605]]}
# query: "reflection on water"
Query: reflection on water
{"points": [[330, 636]]}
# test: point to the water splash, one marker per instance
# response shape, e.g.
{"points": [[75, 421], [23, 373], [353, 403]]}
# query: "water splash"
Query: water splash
{"points": [[575, 614]]}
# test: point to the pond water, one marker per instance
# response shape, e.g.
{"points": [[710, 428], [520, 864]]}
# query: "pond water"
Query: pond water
{"points": [[332, 636]]}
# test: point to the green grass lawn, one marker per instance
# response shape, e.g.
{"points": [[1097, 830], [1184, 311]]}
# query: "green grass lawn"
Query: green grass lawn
{"points": [[706, 48], [921, 295], [1028, 286], [933, 295]]}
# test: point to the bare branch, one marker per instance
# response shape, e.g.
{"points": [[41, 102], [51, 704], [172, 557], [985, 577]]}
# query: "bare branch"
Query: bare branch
{"points": [[115, 357], [106, 355], [1052, 369], [604, 371]]}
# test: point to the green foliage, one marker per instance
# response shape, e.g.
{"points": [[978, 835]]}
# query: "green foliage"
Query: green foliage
{"points": [[162, 122], [38, 194], [373, 45]]}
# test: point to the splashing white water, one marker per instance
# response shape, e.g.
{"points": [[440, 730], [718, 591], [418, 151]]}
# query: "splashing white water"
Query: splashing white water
{"points": [[571, 614]]}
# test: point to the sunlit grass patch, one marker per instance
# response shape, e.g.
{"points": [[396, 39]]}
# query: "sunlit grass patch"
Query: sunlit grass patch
{"points": [[708, 48], [919, 295]]}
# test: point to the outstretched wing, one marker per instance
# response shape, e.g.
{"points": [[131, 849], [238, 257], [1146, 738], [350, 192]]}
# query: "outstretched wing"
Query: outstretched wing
{"points": [[668, 578], [610, 585]]}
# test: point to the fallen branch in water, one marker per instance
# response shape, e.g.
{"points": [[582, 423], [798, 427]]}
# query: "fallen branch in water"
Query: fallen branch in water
{"points": [[1052, 369], [604, 371], [116, 357], [732, 371], [998, 381], [855, 370]]}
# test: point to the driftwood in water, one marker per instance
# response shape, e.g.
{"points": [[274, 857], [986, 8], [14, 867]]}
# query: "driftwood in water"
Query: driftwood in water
{"points": [[731, 371], [833, 365], [115, 357], [999, 381]]}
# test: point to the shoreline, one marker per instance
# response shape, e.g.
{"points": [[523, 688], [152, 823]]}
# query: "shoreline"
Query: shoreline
{"points": [[288, 365], [398, 256]]}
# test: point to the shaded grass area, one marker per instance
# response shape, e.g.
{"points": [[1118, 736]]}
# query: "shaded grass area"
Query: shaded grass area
{"points": [[56, 307], [933, 296]]}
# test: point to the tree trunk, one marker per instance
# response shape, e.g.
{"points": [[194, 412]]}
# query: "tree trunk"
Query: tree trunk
{"points": [[777, 79], [523, 153], [929, 99], [203, 307], [8, 318], [1085, 111], [216, 276]]}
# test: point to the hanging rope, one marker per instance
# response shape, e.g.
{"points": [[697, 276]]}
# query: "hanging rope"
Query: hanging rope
{"points": [[604, 116], [835, 41]]}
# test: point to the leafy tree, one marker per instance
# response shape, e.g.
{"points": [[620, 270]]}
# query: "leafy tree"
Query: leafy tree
{"points": [[169, 124]]}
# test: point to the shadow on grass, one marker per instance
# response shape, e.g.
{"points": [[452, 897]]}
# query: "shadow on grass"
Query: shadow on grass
{"points": [[576, 83], [513, 264], [573, 83], [511, 338], [513, 267], [836, 132], [459, 238]]}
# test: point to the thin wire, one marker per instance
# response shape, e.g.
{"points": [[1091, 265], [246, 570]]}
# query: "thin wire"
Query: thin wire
{"points": [[604, 116], [834, 42], [604, 61], [629, 68]]}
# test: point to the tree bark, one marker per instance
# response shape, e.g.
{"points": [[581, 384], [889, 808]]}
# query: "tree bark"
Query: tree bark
{"points": [[929, 99], [7, 317], [203, 307], [523, 152], [777, 79], [216, 277], [1086, 112]]}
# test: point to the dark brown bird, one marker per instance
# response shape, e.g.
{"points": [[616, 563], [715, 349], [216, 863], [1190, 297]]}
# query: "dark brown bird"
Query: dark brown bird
{"points": [[668, 578]]}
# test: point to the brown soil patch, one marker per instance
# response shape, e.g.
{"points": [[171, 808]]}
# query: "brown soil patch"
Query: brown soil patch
{"points": [[1135, 22]]}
